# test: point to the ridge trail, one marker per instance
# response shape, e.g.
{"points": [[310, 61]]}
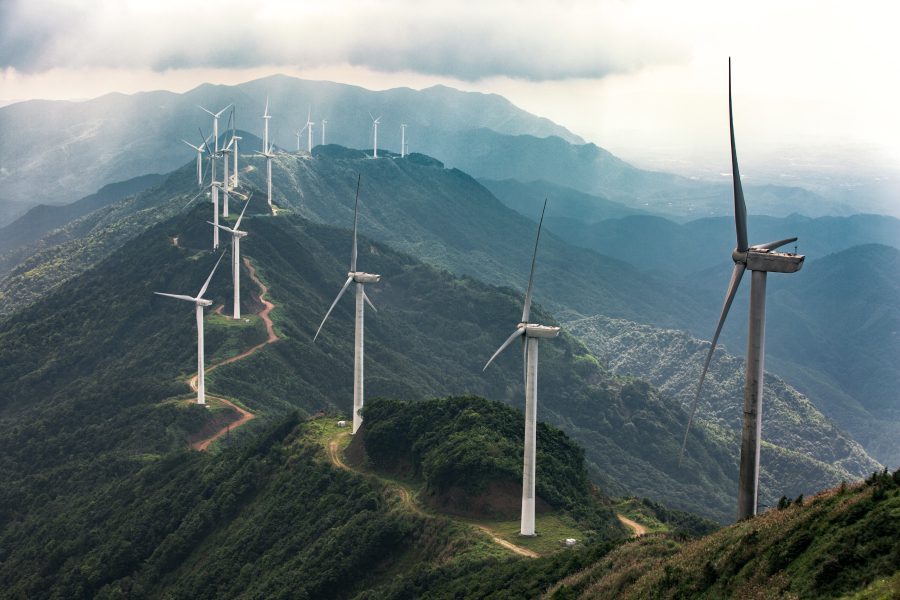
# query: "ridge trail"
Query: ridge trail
{"points": [[634, 526], [406, 498], [246, 415]]}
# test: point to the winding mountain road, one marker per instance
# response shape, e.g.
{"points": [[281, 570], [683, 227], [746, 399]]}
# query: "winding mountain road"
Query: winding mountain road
{"points": [[246, 415]]}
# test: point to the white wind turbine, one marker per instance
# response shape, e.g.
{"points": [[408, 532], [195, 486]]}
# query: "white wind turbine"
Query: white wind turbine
{"points": [[267, 153], [234, 177], [225, 152], [199, 302], [236, 235], [266, 116], [214, 186], [375, 122], [308, 128], [324, 123], [200, 150], [402, 140], [530, 334], [760, 260], [361, 279], [215, 117]]}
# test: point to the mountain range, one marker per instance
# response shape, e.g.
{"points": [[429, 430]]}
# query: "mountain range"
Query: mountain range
{"points": [[57, 152]]}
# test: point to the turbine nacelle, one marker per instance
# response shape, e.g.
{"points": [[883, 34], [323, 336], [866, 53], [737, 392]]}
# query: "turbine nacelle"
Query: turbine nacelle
{"points": [[763, 259], [534, 330], [203, 302], [361, 277]]}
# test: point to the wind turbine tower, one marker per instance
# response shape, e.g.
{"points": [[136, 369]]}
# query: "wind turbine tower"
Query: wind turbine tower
{"points": [[267, 153], [530, 333], [760, 260], [324, 123], [361, 279], [402, 140], [236, 235], [199, 302]]}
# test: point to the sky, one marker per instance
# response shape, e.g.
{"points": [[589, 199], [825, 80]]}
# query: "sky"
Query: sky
{"points": [[815, 82]]}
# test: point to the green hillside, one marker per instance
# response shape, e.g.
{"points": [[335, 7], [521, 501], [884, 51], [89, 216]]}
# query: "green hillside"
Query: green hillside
{"points": [[631, 433], [841, 543], [794, 431]]}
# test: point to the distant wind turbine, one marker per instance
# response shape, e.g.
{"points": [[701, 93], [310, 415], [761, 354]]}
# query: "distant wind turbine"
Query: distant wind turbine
{"points": [[402, 140], [267, 153], [375, 122], [760, 260], [361, 279], [236, 235], [530, 334], [266, 116], [199, 302], [200, 150], [324, 123], [215, 117]]}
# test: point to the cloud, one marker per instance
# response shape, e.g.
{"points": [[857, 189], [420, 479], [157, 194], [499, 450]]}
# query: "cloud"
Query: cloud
{"points": [[467, 40]]}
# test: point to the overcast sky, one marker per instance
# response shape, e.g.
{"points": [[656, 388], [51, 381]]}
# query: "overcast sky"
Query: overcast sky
{"points": [[814, 80]]}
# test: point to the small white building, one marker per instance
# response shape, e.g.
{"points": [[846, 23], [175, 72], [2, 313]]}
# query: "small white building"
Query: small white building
{"points": [[570, 541], [342, 423]]}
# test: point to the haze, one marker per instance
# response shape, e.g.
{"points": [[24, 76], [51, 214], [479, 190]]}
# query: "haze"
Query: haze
{"points": [[814, 81]]}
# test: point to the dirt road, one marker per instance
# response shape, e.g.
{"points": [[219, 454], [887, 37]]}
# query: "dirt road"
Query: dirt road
{"points": [[635, 527], [272, 337]]}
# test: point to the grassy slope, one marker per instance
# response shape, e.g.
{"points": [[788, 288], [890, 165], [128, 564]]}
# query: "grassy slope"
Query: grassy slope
{"points": [[835, 544]]}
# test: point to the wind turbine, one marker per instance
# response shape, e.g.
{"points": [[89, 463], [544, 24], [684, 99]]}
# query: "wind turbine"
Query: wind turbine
{"points": [[215, 117], [236, 139], [199, 302], [267, 152], [266, 116], [402, 140], [760, 260], [375, 122], [324, 123], [361, 279], [214, 186], [236, 235], [225, 152], [309, 131], [530, 334], [200, 149], [269, 155]]}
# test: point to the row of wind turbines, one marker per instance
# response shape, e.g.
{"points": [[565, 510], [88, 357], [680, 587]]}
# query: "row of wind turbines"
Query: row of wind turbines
{"points": [[759, 259]]}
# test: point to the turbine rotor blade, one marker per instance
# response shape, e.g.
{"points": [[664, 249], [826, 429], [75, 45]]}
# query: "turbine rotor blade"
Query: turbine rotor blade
{"points": [[519, 331], [333, 304], [526, 310], [237, 225], [353, 252], [369, 302], [176, 296], [200, 193], [733, 285], [740, 207], [228, 229], [211, 273], [774, 245]]}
